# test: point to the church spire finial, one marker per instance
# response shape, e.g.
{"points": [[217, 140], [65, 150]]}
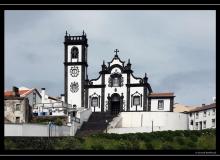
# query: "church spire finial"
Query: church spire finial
{"points": [[83, 33], [145, 74], [103, 62], [66, 33], [116, 51], [129, 61]]}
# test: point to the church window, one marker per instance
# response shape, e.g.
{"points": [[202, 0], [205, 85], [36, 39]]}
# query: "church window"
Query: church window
{"points": [[136, 100], [160, 104], [74, 52], [191, 122], [94, 102], [115, 82]]}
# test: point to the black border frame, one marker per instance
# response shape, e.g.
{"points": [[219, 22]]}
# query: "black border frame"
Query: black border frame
{"points": [[104, 7]]}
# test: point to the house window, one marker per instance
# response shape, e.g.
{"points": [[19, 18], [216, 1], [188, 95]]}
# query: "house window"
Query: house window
{"points": [[160, 104], [204, 114], [197, 125], [17, 120], [197, 115], [74, 52], [213, 112], [94, 102], [204, 124], [191, 122], [18, 107], [213, 122], [136, 100]]}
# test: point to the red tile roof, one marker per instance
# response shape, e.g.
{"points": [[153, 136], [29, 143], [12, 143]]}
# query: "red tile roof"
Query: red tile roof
{"points": [[205, 107], [10, 93], [167, 94]]}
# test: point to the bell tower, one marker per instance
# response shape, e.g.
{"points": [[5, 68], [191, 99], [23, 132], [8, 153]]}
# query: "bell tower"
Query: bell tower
{"points": [[75, 69]]}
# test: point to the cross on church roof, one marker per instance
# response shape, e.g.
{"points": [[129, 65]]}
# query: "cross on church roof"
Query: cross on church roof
{"points": [[116, 51]]}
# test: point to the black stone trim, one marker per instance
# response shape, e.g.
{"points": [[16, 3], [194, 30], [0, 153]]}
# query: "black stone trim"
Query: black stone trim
{"points": [[76, 63], [128, 92], [90, 82], [171, 104], [65, 74], [135, 85], [95, 86], [109, 69], [145, 99], [149, 104], [116, 57], [161, 97], [137, 78], [103, 94]]}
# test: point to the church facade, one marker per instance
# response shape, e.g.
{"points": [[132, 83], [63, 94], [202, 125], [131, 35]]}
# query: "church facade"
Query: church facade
{"points": [[115, 90]]}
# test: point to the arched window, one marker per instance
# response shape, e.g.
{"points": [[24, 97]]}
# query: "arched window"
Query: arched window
{"points": [[74, 52]]}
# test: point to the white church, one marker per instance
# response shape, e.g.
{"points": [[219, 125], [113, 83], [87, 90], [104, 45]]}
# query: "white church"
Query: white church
{"points": [[115, 90]]}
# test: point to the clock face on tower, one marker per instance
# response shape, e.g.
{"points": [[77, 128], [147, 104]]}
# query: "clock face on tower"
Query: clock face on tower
{"points": [[74, 71]]}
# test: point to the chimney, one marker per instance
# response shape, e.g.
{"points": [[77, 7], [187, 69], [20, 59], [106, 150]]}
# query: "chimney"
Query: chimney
{"points": [[15, 92], [214, 99], [62, 97], [203, 105], [43, 95]]}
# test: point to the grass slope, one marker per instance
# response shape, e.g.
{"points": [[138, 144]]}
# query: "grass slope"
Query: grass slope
{"points": [[164, 140]]}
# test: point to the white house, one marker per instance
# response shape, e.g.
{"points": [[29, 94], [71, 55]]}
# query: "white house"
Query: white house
{"points": [[203, 117], [50, 106]]}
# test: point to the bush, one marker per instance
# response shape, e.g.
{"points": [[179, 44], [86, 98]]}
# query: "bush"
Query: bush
{"points": [[180, 140], [167, 147], [149, 146], [58, 122]]}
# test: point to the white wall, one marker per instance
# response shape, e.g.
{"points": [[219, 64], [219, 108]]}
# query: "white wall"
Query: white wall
{"points": [[166, 120], [74, 98], [38, 130], [154, 105]]}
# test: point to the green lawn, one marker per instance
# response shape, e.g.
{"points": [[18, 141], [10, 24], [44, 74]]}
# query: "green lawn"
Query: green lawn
{"points": [[164, 140]]}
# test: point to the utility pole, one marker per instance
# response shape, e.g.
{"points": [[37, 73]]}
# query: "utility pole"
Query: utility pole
{"points": [[152, 126], [106, 121]]}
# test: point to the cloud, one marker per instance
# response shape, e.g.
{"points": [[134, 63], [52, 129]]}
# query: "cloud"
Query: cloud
{"points": [[173, 47]]}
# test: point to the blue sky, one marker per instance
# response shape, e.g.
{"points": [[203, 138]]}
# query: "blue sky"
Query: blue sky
{"points": [[175, 48]]}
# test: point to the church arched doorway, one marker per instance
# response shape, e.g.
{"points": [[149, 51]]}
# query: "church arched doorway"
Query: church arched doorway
{"points": [[115, 104]]}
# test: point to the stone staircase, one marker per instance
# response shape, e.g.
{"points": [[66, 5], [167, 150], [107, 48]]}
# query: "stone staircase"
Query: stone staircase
{"points": [[95, 124]]}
